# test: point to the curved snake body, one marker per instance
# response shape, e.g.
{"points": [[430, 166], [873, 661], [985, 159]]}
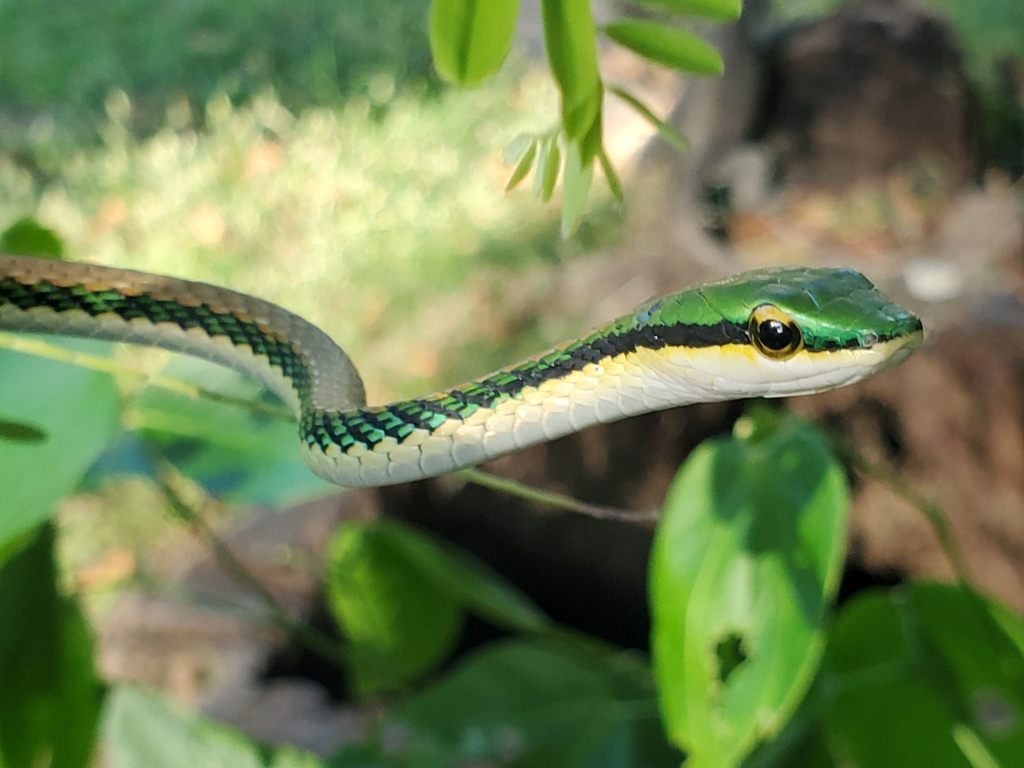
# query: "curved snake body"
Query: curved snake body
{"points": [[768, 333]]}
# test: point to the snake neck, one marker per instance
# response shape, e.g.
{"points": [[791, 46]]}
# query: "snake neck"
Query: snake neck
{"points": [[449, 430]]}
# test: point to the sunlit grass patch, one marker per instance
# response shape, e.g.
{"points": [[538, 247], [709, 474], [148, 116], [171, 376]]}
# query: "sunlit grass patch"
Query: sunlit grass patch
{"points": [[355, 218]]}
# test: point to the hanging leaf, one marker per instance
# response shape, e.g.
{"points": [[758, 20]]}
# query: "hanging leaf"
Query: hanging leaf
{"points": [[575, 188], [668, 132], [470, 39], [666, 45], [523, 167], [569, 36], [614, 183], [549, 160], [718, 10]]}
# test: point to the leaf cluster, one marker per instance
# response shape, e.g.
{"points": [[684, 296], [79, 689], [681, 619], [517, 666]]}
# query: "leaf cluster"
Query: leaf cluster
{"points": [[470, 40]]}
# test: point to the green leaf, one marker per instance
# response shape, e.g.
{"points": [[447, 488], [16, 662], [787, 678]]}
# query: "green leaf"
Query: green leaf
{"points": [[239, 455], [50, 695], [745, 562], [76, 410], [668, 132], [718, 10], [569, 36], [666, 45], [26, 237], [575, 188], [472, 583], [518, 147], [549, 161], [532, 703], [523, 166], [924, 675], [400, 598], [144, 729], [399, 624], [614, 184], [470, 39]]}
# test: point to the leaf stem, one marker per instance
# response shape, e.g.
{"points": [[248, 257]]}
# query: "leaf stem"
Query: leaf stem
{"points": [[551, 499]]}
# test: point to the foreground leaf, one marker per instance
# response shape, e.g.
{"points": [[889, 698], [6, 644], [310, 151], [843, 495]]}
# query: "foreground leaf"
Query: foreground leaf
{"points": [[470, 39], [745, 563], [239, 455], [400, 599], [537, 703], [924, 675], [718, 10], [74, 410], [144, 729], [26, 237], [49, 693]]}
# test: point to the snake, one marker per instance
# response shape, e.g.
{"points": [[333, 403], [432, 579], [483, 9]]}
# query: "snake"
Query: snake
{"points": [[772, 332]]}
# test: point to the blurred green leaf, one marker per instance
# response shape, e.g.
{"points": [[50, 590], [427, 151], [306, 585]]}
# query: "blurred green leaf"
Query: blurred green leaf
{"points": [[924, 675], [398, 623], [144, 729], [50, 695], [575, 188], [666, 45], [534, 703], [76, 409], [614, 183], [718, 10], [745, 562], [549, 162], [569, 36], [470, 39], [239, 455], [473, 584], [400, 598], [26, 237], [668, 132], [518, 147], [523, 167]]}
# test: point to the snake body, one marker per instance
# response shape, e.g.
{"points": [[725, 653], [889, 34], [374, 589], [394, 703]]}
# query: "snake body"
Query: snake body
{"points": [[768, 333]]}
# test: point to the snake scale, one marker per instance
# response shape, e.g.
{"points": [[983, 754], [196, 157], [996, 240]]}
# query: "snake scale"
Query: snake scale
{"points": [[767, 333]]}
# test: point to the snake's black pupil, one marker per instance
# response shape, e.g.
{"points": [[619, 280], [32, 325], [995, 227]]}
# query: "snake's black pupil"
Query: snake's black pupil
{"points": [[775, 335]]}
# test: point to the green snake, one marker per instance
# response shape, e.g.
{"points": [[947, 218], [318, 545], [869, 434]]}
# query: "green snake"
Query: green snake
{"points": [[768, 333]]}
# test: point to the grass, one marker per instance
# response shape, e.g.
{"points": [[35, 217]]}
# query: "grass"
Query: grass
{"points": [[62, 59], [359, 223]]}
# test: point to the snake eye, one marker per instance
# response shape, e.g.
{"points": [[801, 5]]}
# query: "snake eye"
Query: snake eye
{"points": [[774, 333]]}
